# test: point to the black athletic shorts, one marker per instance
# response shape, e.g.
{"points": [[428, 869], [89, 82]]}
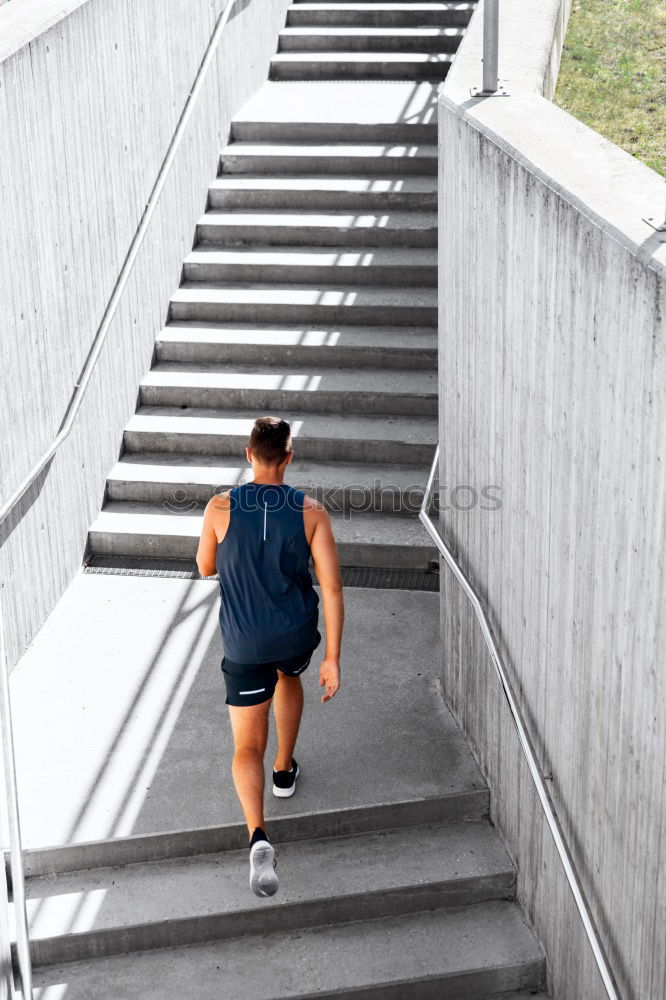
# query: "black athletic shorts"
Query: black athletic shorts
{"points": [[252, 683]]}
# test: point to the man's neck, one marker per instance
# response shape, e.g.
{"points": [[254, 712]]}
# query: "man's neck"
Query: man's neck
{"points": [[268, 477]]}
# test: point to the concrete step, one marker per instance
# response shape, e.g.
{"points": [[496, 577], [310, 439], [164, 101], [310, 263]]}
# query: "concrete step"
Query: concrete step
{"points": [[340, 111], [101, 667], [360, 65], [465, 799], [397, 229], [125, 528], [369, 39], [262, 303], [410, 349], [302, 265], [404, 15], [528, 994], [340, 438], [333, 131], [332, 390], [346, 158], [457, 954], [323, 881], [361, 194], [183, 480]]}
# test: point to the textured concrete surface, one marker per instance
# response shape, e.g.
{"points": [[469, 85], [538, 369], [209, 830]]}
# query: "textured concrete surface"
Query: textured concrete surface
{"points": [[416, 192], [530, 43], [365, 538], [331, 156], [358, 344], [124, 687], [71, 73], [466, 953], [442, 864], [361, 141], [21, 23], [552, 304], [341, 101], [362, 66], [404, 265]]}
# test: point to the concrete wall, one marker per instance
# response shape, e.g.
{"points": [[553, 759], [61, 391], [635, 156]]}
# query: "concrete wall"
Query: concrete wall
{"points": [[553, 386], [90, 95]]}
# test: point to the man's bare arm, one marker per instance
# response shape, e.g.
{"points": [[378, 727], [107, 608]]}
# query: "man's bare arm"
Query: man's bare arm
{"points": [[327, 568], [207, 551]]}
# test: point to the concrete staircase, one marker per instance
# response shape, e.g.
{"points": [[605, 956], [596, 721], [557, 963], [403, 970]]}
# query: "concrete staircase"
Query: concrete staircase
{"points": [[399, 41], [393, 882], [398, 908], [310, 292]]}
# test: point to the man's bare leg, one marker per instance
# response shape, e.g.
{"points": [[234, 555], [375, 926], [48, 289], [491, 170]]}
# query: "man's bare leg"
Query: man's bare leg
{"points": [[287, 708], [249, 724]]}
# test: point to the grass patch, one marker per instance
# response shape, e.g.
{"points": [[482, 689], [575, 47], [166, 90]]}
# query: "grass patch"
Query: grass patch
{"points": [[613, 74]]}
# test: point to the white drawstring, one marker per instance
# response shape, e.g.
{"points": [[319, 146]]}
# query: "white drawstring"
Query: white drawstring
{"points": [[264, 520]]}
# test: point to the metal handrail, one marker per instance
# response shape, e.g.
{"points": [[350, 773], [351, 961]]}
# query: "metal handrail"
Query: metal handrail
{"points": [[525, 742], [15, 849], [15, 852], [7, 991], [135, 246]]}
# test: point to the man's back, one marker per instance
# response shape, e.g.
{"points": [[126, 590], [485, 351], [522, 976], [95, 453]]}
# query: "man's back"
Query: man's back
{"points": [[268, 605]]}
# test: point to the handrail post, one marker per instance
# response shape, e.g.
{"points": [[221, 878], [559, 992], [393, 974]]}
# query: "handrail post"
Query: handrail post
{"points": [[657, 223], [14, 827], [490, 45]]}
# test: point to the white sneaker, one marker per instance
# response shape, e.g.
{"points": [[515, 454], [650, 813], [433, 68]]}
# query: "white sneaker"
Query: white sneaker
{"points": [[263, 877]]}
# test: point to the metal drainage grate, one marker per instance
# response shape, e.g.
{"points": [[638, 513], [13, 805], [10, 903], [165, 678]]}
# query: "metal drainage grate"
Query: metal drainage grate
{"points": [[379, 578], [390, 579], [180, 569]]}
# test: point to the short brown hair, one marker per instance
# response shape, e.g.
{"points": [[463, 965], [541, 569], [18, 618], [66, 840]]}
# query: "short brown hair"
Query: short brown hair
{"points": [[270, 440]]}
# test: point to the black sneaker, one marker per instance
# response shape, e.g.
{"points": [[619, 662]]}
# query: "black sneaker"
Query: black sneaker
{"points": [[284, 782]]}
